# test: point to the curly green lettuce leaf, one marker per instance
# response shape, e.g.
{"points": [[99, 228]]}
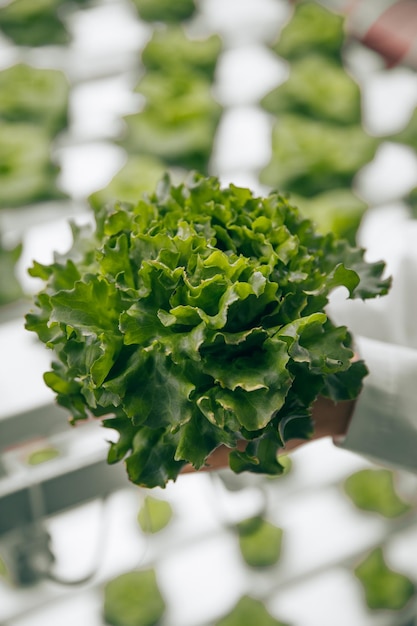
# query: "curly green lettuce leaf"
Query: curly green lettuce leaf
{"points": [[10, 287], [30, 23], [178, 122], [27, 173], [195, 318], [311, 27], [317, 88], [408, 135], [165, 10], [191, 55], [138, 175], [37, 96], [311, 156], [339, 211]]}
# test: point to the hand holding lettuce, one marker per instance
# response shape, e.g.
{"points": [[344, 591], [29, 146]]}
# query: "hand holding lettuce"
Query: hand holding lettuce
{"points": [[196, 318]]}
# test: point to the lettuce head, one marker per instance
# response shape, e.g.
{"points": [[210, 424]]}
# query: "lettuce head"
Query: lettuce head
{"points": [[195, 318]]}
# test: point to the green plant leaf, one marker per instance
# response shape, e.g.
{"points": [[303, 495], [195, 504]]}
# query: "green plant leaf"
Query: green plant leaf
{"points": [[10, 288], [4, 570], [374, 490], [133, 599], [317, 87], [311, 26], [152, 462], [248, 612], [191, 55], [194, 318], [42, 455], [30, 94], [164, 10], [123, 445], [259, 542], [311, 156], [154, 514], [383, 587]]}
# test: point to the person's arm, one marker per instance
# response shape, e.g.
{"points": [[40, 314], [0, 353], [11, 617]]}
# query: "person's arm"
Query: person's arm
{"points": [[383, 426], [389, 30], [389, 27]]}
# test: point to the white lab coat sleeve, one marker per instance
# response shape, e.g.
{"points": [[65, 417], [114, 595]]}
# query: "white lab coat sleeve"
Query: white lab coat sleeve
{"points": [[384, 423]]}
